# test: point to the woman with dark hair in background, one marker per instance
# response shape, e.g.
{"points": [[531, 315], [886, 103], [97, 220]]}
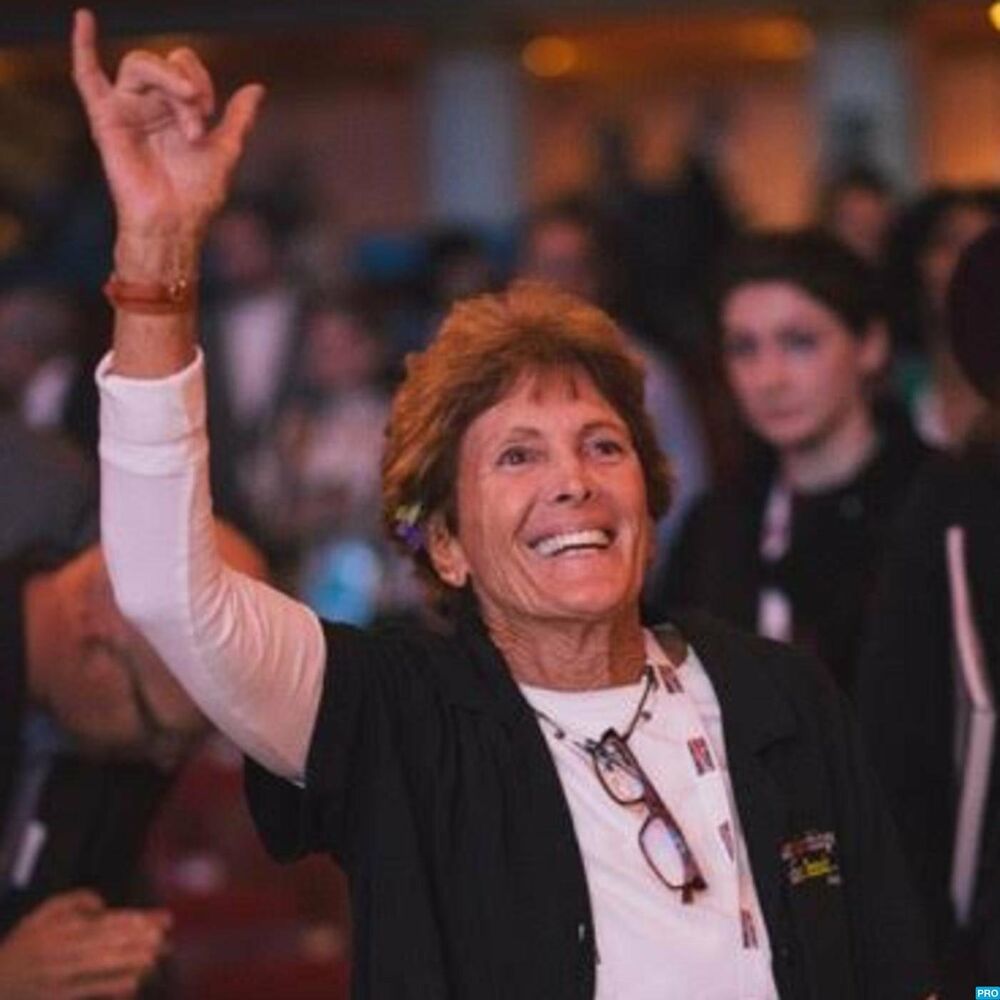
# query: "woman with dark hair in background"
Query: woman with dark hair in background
{"points": [[791, 548]]}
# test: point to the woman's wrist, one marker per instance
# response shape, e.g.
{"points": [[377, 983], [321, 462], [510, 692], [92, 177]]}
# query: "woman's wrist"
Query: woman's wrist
{"points": [[157, 256], [154, 332]]}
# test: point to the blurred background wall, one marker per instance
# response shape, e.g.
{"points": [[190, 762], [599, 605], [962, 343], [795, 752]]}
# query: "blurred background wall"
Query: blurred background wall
{"points": [[387, 116]]}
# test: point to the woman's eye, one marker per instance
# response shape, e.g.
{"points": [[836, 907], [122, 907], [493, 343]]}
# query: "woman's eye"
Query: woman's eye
{"points": [[800, 341], [514, 455], [608, 447], [737, 347]]}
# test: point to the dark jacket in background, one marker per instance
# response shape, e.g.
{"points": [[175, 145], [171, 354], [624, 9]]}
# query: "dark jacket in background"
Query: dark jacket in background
{"points": [[906, 691], [830, 570], [48, 493]]}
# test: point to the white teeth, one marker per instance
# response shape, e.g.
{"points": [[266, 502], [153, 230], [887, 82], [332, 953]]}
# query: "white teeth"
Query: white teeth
{"points": [[554, 544]]}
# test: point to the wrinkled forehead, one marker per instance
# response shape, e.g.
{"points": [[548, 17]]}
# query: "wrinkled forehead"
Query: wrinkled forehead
{"points": [[551, 388], [542, 396]]}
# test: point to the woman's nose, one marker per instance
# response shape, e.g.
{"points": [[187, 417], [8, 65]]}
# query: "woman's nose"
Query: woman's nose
{"points": [[770, 372], [573, 481]]}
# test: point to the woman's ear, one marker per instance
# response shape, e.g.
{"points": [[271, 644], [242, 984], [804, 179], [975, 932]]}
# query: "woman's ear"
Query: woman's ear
{"points": [[445, 552], [875, 349]]}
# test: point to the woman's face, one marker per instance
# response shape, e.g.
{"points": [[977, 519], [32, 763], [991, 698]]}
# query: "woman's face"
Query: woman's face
{"points": [[797, 371], [340, 352], [959, 227], [552, 517]]}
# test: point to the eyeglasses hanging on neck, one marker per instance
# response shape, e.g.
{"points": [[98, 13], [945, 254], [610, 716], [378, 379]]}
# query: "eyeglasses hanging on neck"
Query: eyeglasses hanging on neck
{"points": [[661, 839]]}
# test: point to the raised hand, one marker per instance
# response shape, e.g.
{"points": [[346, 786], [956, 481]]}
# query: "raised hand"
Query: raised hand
{"points": [[168, 167]]}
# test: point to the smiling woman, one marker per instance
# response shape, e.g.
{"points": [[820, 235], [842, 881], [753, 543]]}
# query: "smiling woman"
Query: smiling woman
{"points": [[527, 468], [483, 348], [546, 780]]}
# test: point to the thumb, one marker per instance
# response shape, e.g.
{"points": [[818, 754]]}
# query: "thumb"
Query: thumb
{"points": [[238, 118]]}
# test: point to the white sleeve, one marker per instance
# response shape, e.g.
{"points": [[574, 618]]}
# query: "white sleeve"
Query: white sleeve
{"points": [[252, 658]]}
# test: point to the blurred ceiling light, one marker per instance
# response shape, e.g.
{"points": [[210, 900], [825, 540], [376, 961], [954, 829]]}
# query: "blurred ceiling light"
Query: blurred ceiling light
{"points": [[777, 38], [994, 15], [11, 67], [549, 56]]}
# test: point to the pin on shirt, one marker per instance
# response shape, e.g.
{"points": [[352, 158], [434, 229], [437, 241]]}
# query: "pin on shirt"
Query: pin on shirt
{"points": [[728, 841], [701, 755], [671, 682]]}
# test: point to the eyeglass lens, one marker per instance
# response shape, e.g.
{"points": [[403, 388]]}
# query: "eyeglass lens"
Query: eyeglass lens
{"points": [[665, 852], [618, 773]]}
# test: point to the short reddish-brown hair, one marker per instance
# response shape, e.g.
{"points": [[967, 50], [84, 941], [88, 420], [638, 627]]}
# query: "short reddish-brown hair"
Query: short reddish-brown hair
{"points": [[482, 348]]}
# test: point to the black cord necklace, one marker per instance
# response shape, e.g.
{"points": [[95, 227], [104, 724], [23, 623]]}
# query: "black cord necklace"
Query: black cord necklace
{"points": [[641, 713]]}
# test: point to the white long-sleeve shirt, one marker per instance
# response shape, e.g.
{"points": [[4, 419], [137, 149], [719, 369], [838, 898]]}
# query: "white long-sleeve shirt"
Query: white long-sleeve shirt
{"points": [[252, 658]]}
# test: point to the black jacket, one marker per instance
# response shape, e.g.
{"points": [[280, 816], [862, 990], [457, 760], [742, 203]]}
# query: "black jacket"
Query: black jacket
{"points": [[906, 695], [430, 782], [830, 570]]}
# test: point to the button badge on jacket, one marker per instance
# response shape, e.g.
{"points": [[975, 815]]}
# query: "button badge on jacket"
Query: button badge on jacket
{"points": [[812, 856]]}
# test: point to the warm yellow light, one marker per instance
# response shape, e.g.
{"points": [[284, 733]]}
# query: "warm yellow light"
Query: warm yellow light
{"points": [[777, 38], [994, 15], [549, 56]]}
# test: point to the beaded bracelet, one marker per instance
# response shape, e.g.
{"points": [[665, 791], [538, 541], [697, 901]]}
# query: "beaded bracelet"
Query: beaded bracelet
{"points": [[151, 298]]}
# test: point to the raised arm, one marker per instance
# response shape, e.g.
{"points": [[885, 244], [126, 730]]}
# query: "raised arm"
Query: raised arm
{"points": [[251, 658], [168, 169]]}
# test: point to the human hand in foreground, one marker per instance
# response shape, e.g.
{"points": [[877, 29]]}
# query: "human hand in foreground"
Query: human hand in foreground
{"points": [[73, 947], [167, 164]]}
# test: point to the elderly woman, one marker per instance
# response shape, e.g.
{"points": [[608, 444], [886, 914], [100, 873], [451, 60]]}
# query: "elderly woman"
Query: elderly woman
{"points": [[547, 801]]}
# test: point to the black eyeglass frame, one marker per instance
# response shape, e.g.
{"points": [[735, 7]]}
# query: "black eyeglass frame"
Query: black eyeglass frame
{"points": [[614, 747]]}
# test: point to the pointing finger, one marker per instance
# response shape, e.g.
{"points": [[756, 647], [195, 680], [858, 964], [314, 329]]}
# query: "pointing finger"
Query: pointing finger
{"points": [[90, 78]]}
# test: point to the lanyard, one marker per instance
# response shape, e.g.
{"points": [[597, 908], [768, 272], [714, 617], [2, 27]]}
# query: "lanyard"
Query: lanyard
{"points": [[774, 609], [664, 696], [714, 798]]}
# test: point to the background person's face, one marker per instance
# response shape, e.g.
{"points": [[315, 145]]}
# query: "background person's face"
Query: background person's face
{"points": [[959, 227], [552, 516], [861, 219], [796, 370], [105, 669], [562, 254], [340, 352]]}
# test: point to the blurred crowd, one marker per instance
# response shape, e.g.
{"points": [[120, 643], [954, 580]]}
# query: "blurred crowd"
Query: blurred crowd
{"points": [[828, 425]]}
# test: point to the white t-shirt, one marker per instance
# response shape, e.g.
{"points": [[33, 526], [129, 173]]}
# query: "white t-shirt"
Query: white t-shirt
{"points": [[651, 945]]}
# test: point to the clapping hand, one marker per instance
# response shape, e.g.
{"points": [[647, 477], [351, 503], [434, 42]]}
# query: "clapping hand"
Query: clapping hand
{"points": [[72, 947]]}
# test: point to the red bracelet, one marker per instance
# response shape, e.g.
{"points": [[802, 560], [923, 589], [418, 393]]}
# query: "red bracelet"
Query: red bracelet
{"points": [[151, 298]]}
